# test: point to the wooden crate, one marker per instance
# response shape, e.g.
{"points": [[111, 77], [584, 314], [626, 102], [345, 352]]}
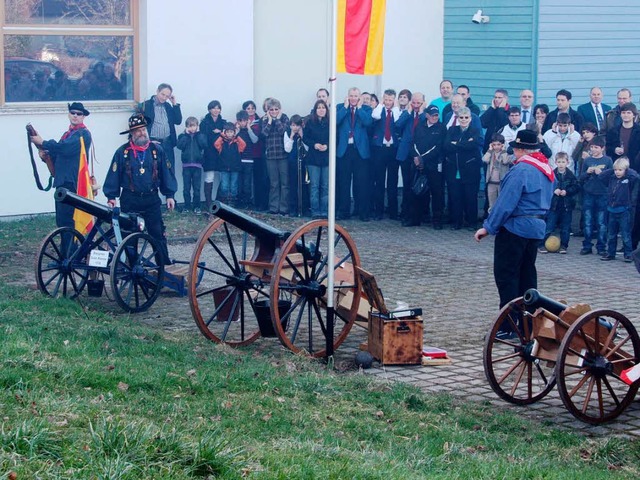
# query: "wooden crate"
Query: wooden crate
{"points": [[395, 342]]}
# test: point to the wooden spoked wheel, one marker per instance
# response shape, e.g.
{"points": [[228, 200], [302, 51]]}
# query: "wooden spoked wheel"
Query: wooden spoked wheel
{"points": [[299, 281], [593, 353], [60, 271], [512, 366], [136, 272], [223, 287]]}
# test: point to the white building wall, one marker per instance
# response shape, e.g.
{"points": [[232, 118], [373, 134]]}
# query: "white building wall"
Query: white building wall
{"points": [[228, 51], [292, 51]]}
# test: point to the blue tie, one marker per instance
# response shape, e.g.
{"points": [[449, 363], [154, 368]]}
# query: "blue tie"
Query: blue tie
{"points": [[599, 117]]}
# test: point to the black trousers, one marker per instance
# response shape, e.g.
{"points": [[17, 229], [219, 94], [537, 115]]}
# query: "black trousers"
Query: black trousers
{"points": [[344, 174], [260, 184], [463, 202], [148, 207], [64, 212], [406, 168], [362, 186], [385, 169], [514, 265]]}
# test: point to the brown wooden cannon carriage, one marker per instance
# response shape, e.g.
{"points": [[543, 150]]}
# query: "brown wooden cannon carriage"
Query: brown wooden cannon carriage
{"points": [[256, 280], [584, 351]]}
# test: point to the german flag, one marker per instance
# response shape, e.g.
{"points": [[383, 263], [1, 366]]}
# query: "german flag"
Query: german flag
{"points": [[360, 36], [83, 221]]}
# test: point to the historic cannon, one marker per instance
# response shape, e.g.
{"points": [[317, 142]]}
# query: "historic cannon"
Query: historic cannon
{"points": [[258, 280], [583, 350], [67, 260]]}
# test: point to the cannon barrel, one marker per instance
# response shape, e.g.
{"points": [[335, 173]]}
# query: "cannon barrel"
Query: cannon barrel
{"points": [[258, 229], [104, 213], [533, 298]]}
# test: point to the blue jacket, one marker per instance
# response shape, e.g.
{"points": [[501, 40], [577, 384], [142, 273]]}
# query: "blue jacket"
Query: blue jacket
{"points": [[589, 116], [622, 192], [362, 120], [377, 137], [65, 154], [525, 197], [405, 130]]}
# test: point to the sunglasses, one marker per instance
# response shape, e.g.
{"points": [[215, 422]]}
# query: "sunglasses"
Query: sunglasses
{"points": [[464, 118], [77, 114]]}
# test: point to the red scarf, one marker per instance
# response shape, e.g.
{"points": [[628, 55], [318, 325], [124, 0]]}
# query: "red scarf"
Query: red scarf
{"points": [[137, 148], [72, 128], [539, 161]]}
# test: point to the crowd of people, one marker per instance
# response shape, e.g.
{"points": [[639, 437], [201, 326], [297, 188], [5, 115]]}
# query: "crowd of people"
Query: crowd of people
{"points": [[274, 163]]}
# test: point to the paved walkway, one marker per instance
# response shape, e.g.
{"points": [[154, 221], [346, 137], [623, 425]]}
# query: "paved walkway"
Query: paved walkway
{"points": [[450, 276]]}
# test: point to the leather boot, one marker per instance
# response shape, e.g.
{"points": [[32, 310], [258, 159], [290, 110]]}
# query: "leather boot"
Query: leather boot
{"points": [[208, 190]]}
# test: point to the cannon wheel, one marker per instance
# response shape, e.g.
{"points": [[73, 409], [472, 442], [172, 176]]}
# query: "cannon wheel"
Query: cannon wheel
{"points": [[302, 277], [136, 274], [58, 270], [511, 366], [595, 349], [222, 291]]}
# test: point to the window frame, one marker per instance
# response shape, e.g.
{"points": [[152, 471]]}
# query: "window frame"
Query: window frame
{"points": [[131, 30]]}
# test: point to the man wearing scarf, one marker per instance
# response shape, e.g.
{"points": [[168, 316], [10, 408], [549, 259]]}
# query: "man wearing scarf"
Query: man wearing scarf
{"points": [[517, 221], [138, 170], [65, 154]]}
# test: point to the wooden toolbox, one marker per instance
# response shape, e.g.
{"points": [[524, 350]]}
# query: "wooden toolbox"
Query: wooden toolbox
{"points": [[392, 340], [395, 341]]}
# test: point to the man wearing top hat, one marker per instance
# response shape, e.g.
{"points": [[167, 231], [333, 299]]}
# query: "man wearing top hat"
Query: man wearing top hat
{"points": [[517, 221], [138, 170], [65, 154]]}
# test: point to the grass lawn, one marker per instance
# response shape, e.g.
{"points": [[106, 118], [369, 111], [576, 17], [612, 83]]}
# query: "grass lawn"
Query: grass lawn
{"points": [[87, 395]]}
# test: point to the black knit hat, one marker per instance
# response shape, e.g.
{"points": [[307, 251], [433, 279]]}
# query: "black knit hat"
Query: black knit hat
{"points": [[526, 139]]}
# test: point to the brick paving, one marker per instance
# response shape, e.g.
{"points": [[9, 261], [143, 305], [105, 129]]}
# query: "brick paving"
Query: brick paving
{"points": [[450, 276]]}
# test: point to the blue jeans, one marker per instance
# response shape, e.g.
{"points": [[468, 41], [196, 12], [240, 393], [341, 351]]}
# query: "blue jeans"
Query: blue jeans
{"points": [[228, 190], [619, 221], [593, 209], [561, 219], [319, 190]]}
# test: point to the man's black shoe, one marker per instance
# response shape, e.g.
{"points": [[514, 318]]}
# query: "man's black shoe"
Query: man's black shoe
{"points": [[585, 251]]}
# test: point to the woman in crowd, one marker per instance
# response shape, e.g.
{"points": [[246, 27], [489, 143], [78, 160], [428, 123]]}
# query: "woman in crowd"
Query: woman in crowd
{"points": [[316, 137], [211, 126]]}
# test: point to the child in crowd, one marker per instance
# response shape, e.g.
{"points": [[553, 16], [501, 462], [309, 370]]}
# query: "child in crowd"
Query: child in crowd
{"points": [[594, 197], [562, 203], [297, 168], [622, 191], [229, 148], [192, 144], [245, 195], [498, 163], [589, 132], [561, 138]]}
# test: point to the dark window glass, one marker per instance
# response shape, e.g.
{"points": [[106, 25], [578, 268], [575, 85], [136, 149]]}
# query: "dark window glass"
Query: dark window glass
{"points": [[67, 12], [68, 67]]}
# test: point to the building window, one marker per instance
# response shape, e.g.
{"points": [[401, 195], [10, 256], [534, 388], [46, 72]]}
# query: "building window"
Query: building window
{"points": [[64, 50]]}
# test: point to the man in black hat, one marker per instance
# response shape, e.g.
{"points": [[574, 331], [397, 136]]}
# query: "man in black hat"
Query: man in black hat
{"points": [[138, 170], [65, 154], [517, 221]]}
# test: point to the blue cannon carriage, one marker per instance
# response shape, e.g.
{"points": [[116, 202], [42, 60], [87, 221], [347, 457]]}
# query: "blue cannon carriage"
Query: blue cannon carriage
{"points": [[116, 246]]}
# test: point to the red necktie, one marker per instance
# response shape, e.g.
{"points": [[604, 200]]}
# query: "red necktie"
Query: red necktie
{"points": [[387, 126], [455, 121], [415, 122], [353, 121]]}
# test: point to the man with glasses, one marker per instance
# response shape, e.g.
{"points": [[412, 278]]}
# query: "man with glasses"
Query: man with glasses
{"points": [[526, 106], [65, 154]]}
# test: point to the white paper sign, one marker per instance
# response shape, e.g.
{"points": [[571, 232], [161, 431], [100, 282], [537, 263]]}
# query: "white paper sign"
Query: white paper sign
{"points": [[99, 258]]}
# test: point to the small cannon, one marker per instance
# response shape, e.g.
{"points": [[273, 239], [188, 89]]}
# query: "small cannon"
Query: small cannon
{"points": [[258, 280], [584, 351], [67, 260]]}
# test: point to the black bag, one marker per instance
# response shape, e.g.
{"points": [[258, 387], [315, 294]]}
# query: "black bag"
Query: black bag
{"points": [[420, 185]]}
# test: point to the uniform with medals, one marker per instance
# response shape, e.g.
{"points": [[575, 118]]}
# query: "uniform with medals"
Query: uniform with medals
{"points": [[135, 176]]}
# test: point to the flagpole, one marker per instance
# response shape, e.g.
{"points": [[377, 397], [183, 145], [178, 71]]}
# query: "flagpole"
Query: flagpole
{"points": [[331, 209]]}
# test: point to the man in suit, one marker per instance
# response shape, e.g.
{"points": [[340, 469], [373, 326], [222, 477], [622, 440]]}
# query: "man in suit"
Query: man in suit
{"points": [[353, 156], [526, 106], [563, 103], [405, 127], [595, 111], [385, 148]]}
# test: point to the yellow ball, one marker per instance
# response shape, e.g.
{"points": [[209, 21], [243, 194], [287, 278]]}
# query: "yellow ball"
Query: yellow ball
{"points": [[552, 243]]}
